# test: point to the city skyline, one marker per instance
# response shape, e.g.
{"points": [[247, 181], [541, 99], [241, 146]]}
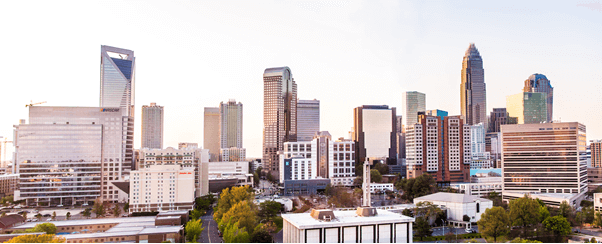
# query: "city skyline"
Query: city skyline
{"points": [[369, 56]]}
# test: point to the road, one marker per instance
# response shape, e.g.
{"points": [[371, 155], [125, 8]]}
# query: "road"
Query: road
{"points": [[439, 231], [210, 233]]}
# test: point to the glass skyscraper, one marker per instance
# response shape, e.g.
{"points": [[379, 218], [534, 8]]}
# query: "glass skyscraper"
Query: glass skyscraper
{"points": [[540, 83], [308, 119], [473, 95], [152, 126], [415, 102], [528, 107], [279, 115], [117, 68]]}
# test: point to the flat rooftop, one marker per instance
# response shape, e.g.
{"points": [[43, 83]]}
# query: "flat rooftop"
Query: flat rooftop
{"points": [[450, 197], [345, 218], [135, 220]]}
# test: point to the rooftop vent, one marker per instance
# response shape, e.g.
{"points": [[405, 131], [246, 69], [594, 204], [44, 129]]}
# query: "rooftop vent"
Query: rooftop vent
{"points": [[322, 214], [366, 211]]}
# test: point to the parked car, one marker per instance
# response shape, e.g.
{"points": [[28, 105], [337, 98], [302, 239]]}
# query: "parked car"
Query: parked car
{"points": [[46, 215]]}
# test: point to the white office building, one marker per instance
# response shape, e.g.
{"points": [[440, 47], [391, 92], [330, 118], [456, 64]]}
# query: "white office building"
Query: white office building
{"points": [[481, 159], [162, 188], [233, 154], [229, 170], [458, 205]]}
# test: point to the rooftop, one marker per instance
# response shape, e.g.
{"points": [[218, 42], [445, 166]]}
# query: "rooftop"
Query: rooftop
{"points": [[345, 218], [450, 197], [134, 220]]}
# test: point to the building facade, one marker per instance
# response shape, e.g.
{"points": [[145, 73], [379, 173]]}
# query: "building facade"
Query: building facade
{"points": [[499, 117], [481, 159], [162, 188], [540, 83], [440, 147], [233, 154], [186, 157], [211, 129], [375, 133], [279, 115], [414, 102], [596, 153], [230, 128], [152, 126], [117, 72], [473, 94], [544, 158], [458, 205], [8, 184], [308, 119], [527, 107]]}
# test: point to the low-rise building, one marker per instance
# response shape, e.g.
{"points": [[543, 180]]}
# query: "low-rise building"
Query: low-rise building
{"points": [[478, 189], [233, 154], [598, 201], [305, 187], [381, 187], [327, 226], [8, 184], [458, 205], [161, 188]]}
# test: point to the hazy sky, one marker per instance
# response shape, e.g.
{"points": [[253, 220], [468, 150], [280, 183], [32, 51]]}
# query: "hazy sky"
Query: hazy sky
{"points": [[191, 55]]}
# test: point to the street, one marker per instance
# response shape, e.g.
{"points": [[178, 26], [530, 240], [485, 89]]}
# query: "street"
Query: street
{"points": [[439, 231], [210, 233]]}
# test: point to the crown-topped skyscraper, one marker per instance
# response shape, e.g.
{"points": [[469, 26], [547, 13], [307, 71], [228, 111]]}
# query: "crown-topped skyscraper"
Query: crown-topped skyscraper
{"points": [[472, 90]]}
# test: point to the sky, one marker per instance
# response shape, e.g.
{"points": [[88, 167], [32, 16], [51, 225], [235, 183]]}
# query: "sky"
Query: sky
{"points": [[196, 54]]}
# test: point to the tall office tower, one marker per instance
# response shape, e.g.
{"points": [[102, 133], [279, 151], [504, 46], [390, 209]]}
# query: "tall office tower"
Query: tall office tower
{"points": [[399, 123], [279, 115], [437, 112], [320, 157], [117, 68], [401, 137], [596, 153], [440, 147], [69, 155], [500, 117], [528, 107], [117, 89], [540, 83], [375, 134], [230, 129], [545, 158], [472, 89], [152, 126], [211, 137], [481, 159], [308, 119], [415, 102]]}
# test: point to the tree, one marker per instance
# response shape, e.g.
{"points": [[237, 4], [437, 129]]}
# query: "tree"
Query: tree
{"points": [[98, 208], [495, 222], [255, 179], [519, 240], [193, 230], [382, 168], [559, 225], [597, 219], [116, 210], [269, 210], [68, 215], [196, 214], [588, 213], [87, 213], [229, 198], [422, 227], [49, 228], [375, 176], [407, 212], [566, 211], [24, 214], [543, 213], [240, 213], [524, 212], [39, 216], [3, 214], [579, 219], [427, 210], [45, 238], [496, 197], [416, 187], [258, 171], [233, 234], [54, 215], [126, 207], [261, 236]]}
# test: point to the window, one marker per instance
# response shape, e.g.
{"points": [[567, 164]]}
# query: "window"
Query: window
{"points": [[478, 208]]}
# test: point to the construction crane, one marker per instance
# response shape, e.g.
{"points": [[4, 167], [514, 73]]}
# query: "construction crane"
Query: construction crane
{"points": [[31, 103]]}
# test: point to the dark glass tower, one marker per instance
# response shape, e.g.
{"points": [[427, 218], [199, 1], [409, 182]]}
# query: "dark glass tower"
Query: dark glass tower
{"points": [[472, 90], [540, 83]]}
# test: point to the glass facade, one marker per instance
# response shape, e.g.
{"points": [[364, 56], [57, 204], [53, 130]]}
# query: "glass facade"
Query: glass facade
{"points": [[546, 158], [472, 89], [117, 78], [528, 107], [540, 83], [152, 126], [308, 119], [415, 102]]}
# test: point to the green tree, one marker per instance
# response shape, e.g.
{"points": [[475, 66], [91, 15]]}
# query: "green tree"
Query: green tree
{"points": [[233, 234], [39, 216], [422, 228], [559, 225], [261, 236], [495, 222], [98, 208], [49, 228], [240, 213], [229, 198], [54, 215], [427, 210], [579, 219], [543, 213], [566, 211], [3, 214], [196, 214], [87, 213], [382, 168], [597, 219], [116, 210], [68, 215], [268, 210], [193, 230], [255, 179], [45, 238], [258, 171], [407, 212], [126, 207], [24, 214], [519, 240], [524, 212], [416, 187], [375, 176], [588, 213]]}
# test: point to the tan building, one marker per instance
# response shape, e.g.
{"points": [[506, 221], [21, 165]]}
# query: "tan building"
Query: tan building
{"points": [[8, 184], [596, 150], [187, 155], [233, 154], [211, 138], [162, 188]]}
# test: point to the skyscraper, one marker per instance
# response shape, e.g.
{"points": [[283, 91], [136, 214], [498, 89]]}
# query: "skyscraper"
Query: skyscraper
{"points": [[230, 128], [472, 89], [596, 153], [308, 119], [117, 68], [415, 102], [211, 138], [375, 134], [528, 107], [500, 117], [152, 126], [540, 83], [279, 115]]}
